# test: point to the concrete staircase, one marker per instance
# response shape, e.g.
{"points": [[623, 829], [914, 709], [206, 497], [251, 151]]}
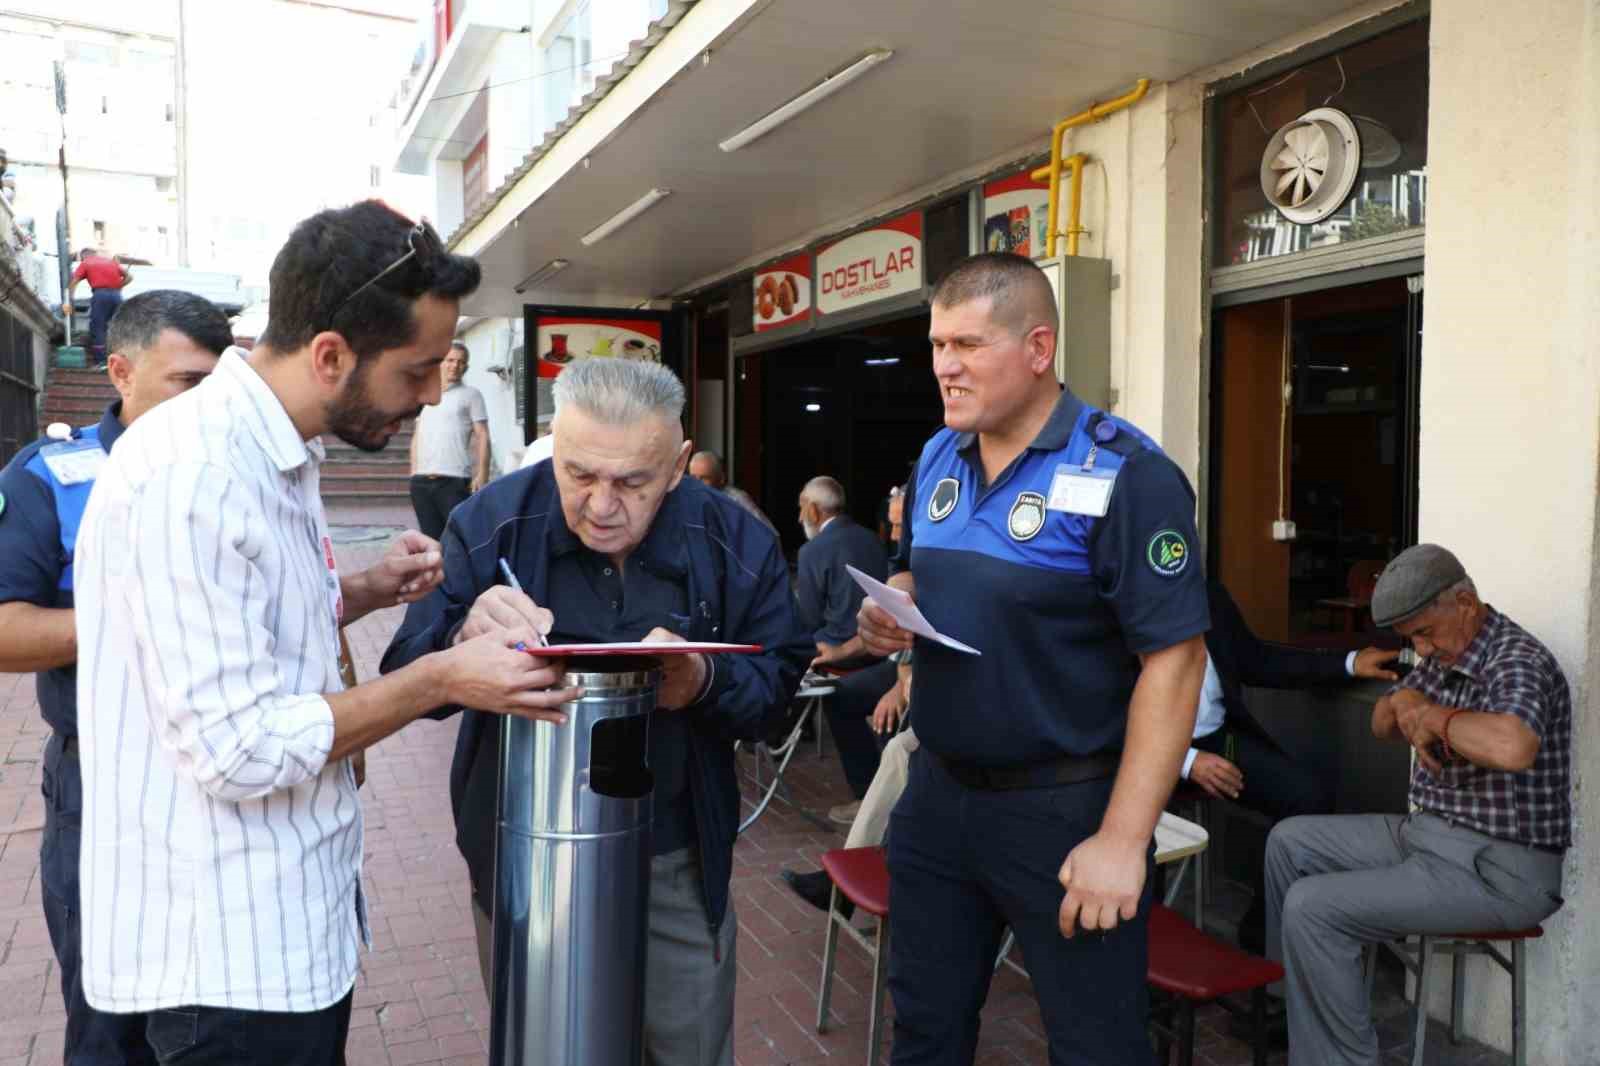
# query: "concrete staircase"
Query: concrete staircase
{"points": [[357, 486]]}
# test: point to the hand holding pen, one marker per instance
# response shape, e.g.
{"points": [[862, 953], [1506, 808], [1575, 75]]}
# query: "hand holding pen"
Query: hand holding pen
{"points": [[506, 608]]}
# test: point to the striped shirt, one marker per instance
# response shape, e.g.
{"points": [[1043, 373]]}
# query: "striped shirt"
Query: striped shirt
{"points": [[1505, 670], [221, 861]]}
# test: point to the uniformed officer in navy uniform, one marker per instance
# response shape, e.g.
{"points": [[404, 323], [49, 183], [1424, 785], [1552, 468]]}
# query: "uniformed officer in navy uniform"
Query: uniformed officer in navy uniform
{"points": [[1059, 542], [161, 343]]}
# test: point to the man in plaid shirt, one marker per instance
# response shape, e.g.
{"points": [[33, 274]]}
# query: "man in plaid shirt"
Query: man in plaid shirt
{"points": [[1489, 715]]}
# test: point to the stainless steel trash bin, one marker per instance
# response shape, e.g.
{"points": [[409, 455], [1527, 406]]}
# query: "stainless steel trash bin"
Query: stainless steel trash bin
{"points": [[572, 875]]}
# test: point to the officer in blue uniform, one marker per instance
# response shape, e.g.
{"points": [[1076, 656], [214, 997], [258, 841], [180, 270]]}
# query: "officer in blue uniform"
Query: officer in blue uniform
{"points": [[161, 343], [1060, 543]]}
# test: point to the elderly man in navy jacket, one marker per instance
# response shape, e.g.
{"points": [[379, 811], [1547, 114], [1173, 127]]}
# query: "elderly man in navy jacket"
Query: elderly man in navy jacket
{"points": [[610, 542]]}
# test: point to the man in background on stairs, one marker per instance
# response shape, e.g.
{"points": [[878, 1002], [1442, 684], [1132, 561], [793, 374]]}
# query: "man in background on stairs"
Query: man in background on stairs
{"points": [[449, 447], [106, 278], [162, 343]]}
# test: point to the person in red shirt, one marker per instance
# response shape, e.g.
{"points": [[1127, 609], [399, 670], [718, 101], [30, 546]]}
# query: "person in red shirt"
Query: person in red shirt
{"points": [[106, 277]]}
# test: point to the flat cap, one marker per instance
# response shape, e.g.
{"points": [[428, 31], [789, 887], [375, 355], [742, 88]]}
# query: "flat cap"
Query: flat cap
{"points": [[1412, 581]]}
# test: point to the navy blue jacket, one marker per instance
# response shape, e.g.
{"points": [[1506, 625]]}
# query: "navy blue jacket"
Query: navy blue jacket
{"points": [[738, 586], [829, 597]]}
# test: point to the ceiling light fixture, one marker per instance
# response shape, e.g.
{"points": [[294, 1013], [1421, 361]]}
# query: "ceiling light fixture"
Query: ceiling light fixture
{"points": [[893, 360], [543, 274], [625, 216], [814, 95], [813, 407]]}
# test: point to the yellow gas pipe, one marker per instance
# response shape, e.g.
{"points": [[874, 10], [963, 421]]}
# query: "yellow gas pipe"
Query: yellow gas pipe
{"points": [[1094, 113]]}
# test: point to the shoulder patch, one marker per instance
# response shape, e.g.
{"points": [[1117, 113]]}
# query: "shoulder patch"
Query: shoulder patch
{"points": [[945, 495], [1027, 516], [1168, 553]]}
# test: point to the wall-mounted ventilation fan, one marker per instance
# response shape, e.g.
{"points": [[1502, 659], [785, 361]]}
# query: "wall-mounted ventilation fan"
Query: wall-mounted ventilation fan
{"points": [[1311, 164]]}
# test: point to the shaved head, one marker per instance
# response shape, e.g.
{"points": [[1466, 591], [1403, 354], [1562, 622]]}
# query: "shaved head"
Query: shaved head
{"points": [[1019, 294]]}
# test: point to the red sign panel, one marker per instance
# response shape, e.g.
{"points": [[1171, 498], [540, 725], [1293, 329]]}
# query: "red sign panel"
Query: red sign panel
{"points": [[561, 339], [783, 293], [872, 265]]}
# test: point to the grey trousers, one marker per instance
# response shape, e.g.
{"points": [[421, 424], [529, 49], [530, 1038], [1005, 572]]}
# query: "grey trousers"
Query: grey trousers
{"points": [[1336, 883], [689, 979]]}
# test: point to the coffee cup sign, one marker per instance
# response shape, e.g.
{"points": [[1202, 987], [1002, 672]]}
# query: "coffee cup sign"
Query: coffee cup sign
{"points": [[565, 338]]}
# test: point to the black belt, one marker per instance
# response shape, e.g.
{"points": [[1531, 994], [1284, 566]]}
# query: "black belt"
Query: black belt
{"points": [[1068, 770]]}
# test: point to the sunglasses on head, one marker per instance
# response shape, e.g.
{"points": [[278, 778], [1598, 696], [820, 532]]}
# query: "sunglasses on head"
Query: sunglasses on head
{"points": [[422, 244]]}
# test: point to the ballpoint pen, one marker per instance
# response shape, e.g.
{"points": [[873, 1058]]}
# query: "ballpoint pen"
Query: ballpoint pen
{"points": [[511, 579]]}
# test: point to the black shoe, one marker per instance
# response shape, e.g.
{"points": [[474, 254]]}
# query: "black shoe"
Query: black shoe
{"points": [[816, 889], [1253, 928]]}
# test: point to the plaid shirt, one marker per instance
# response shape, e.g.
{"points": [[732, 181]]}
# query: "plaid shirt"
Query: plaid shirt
{"points": [[1505, 670]]}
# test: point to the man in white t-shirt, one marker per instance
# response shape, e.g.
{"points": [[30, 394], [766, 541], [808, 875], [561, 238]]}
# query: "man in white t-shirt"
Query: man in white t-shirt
{"points": [[449, 447]]}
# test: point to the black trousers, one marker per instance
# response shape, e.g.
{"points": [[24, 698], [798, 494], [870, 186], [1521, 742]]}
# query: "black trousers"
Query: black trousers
{"points": [[93, 1038], [433, 498], [220, 1036], [1274, 784], [963, 865]]}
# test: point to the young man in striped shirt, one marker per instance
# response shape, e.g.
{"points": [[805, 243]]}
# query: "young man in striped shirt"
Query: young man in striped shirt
{"points": [[222, 841]]}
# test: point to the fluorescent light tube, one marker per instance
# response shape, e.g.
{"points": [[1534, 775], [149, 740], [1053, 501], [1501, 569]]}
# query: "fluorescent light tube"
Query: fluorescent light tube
{"points": [[544, 273], [625, 216], [814, 95]]}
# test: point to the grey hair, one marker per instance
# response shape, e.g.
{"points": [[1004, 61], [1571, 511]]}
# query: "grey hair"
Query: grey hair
{"points": [[713, 456], [619, 392], [1447, 597], [826, 493]]}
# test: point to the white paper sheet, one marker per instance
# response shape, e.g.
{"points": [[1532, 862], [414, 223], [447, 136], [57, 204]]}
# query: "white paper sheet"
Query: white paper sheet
{"points": [[904, 610]]}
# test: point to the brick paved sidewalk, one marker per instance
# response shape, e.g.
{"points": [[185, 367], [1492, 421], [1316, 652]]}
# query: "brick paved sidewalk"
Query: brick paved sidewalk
{"points": [[419, 998]]}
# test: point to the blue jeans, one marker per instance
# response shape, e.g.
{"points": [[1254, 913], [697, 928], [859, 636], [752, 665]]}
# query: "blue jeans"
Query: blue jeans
{"points": [[93, 1038], [102, 305]]}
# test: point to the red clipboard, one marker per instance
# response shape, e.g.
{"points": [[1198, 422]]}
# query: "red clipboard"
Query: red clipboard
{"points": [[573, 651]]}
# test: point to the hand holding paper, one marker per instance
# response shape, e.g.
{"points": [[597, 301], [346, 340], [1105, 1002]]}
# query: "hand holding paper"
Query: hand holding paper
{"points": [[903, 609]]}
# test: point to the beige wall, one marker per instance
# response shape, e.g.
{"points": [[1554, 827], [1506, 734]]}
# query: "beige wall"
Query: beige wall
{"points": [[1510, 339], [1511, 367]]}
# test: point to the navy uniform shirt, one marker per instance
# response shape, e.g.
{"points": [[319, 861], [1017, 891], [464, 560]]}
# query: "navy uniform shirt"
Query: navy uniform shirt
{"points": [[38, 531], [595, 603], [1060, 604]]}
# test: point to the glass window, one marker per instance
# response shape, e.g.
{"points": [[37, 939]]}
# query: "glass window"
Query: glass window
{"points": [[1382, 83]]}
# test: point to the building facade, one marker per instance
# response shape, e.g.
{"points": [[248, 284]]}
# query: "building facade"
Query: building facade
{"points": [[1338, 370]]}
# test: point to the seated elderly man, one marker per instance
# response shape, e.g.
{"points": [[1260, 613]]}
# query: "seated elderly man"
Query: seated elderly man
{"points": [[1489, 715]]}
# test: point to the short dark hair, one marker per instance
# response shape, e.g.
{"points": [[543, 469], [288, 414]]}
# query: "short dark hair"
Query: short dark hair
{"points": [[462, 345], [140, 320], [1014, 283], [331, 255]]}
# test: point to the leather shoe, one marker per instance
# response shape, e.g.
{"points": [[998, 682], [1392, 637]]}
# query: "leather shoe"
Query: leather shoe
{"points": [[816, 889]]}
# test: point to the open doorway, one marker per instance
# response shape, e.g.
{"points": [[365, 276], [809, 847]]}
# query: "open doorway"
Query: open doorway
{"points": [[1334, 453], [857, 406]]}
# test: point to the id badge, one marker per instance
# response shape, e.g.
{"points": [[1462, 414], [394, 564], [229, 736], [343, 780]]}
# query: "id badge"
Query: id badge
{"points": [[1079, 491], [74, 462]]}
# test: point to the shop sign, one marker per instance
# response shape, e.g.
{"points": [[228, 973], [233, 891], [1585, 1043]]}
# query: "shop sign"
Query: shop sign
{"points": [[783, 293], [559, 339], [872, 265], [1016, 215]]}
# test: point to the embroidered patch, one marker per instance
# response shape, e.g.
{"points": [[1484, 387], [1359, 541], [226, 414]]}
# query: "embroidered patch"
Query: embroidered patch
{"points": [[945, 495], [1027, 516], [1168, 553]]}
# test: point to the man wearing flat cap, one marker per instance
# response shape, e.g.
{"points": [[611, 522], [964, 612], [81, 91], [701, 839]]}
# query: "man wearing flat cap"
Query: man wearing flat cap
{"points": [[1489, 715]]}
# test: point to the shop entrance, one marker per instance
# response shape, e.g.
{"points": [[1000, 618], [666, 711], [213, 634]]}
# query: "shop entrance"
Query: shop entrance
{"points": [[856, 406], [1337, 458]]}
